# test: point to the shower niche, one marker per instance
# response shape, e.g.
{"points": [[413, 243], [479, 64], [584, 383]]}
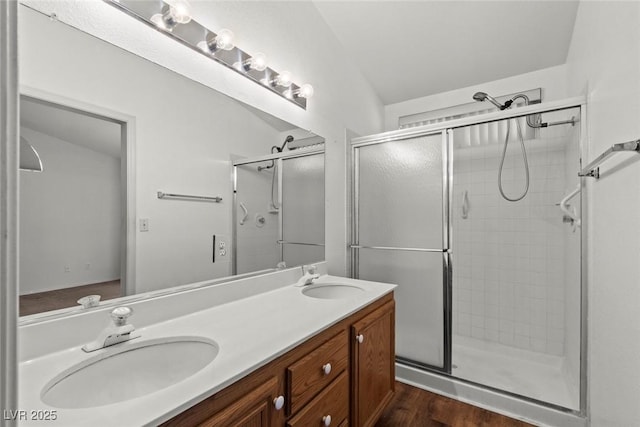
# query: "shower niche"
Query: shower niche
{"points": [[466, 218]]}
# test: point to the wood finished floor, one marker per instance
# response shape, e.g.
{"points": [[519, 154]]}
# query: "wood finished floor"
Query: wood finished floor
{"points": [[414, 407], [68, 297]]}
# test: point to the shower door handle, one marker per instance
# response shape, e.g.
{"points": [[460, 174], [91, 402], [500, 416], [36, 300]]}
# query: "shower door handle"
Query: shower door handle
{"points": [[465, 204]]}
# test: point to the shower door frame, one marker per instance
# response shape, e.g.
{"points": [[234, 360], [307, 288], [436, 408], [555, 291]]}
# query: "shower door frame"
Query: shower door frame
{"points": [[446, 128], [276, 157]]}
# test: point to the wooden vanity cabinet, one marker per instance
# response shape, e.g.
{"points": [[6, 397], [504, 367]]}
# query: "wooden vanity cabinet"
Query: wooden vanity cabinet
{"points": [[247, 403], [352, 391], [373, 365], [253, 409]]}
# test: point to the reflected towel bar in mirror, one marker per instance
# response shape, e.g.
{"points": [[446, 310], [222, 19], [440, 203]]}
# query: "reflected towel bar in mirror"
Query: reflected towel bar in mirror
{"points": [[163, 195], [284, 242]]}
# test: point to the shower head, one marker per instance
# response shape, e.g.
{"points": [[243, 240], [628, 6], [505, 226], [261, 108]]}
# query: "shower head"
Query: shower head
{"points": [[481, 96], [287, 140]]}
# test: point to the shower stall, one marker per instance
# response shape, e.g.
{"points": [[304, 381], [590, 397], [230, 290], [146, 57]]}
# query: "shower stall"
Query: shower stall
{"points": [[478, 222], [278, 210]]}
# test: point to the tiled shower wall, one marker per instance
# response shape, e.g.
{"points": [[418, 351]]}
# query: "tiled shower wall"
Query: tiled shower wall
{"points": [[509, 257]]}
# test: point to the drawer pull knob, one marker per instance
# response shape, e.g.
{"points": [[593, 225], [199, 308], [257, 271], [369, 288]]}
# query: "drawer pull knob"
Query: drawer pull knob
{"points": [[278, 402], [326, 368], [326, 420], [360, 338]]}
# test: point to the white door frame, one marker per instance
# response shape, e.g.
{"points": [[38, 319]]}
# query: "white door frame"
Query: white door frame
{"points": [[9, 119]]}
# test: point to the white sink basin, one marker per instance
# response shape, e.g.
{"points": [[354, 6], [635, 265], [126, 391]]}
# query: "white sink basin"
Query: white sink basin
{"points": [[332, 291], [125, 372]]}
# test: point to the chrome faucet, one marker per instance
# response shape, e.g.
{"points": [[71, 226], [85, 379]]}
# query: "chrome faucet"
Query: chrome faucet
{"points": [[308, 275], [120, 331]]}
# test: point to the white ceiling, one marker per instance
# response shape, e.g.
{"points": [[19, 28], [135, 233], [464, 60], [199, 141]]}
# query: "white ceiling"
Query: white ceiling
{"points": [[412, 49], [80, 129]]}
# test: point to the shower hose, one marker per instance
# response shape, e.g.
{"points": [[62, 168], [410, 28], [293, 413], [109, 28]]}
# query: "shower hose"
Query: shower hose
{"points": [[524, 159]]}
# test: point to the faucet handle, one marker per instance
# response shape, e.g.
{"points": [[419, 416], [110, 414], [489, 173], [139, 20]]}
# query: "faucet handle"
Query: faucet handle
{"points": [[310, 269], [89, 301], [120, 315]]}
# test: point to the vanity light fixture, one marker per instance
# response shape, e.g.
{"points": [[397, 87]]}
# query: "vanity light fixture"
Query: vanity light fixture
{"points": [[173, 18]]}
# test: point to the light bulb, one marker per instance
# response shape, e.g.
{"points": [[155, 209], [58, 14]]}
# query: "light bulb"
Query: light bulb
{"points": [[159, 20], [222, 41], [179, 13], [305, 91], [258, 62], [284, 79], [180, 10]]}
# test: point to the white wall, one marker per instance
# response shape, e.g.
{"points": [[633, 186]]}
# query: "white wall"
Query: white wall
{"points": [[604, 62], [296, 38], [185, 135], [552, 81], [69, 217]]}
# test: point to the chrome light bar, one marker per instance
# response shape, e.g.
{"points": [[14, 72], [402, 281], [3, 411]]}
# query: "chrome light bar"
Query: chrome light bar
{"points": [[192, 34]]}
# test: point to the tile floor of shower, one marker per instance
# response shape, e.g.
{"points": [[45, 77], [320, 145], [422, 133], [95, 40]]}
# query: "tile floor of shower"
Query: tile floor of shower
{"points": [[534, 375]]}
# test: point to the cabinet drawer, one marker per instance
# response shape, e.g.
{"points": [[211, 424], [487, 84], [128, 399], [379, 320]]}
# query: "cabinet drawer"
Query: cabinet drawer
{"points": [[306, 377], [333, 401]]}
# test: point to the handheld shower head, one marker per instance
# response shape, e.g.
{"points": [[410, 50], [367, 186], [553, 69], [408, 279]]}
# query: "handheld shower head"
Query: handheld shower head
{"points": [[481, 96]]}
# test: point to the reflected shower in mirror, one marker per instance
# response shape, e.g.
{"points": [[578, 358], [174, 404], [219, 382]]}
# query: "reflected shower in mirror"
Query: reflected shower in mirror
{"points": [[179, 137], [279, 211]]}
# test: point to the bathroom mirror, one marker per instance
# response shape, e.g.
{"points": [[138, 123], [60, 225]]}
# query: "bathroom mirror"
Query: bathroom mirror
{"points": [[134, 157]]}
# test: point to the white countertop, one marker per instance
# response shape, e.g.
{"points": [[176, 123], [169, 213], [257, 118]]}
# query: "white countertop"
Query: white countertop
{"points": [[250, 333]]}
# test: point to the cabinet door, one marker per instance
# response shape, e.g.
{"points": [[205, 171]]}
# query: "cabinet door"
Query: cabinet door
{"points": [[373, 366], [254, 409]]}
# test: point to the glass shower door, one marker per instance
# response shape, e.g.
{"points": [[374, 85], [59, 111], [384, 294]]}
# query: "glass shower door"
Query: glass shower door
{"points": [[400, 237], [302, 209], [517, 282]]}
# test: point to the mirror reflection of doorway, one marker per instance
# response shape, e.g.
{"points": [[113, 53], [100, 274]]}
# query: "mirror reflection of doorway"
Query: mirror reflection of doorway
{"points": [[71, 212]]}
